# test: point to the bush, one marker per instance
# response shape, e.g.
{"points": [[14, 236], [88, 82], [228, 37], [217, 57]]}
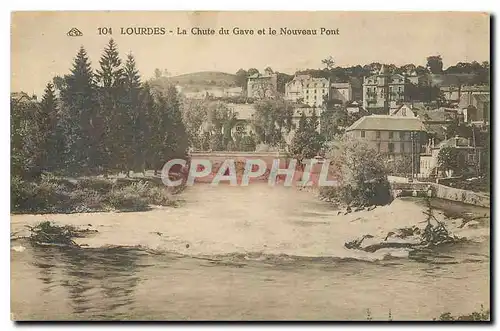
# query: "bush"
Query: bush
{"points": [[54, 194], [361, 174], [481, 315], [126, 199], [101, 185]]}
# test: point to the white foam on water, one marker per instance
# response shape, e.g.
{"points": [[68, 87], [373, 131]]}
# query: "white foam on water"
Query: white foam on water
{"points": [[258, 218]]}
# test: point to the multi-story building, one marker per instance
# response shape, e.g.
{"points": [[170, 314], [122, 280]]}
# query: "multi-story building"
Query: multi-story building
{"points": [[294, 89], [341, 91], [314, 91], [382, 89], [260, 86], [393, 136], [469, 156], [453, 93]]}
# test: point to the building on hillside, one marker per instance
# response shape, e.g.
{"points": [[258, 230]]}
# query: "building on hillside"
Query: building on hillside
{"points": [[316, 91], [383, 88], [353, 107], [403, 110], [469, 156], [395, 137], [453, 93], [341, 91], [260, 86], [294, 89], [475, 108]]}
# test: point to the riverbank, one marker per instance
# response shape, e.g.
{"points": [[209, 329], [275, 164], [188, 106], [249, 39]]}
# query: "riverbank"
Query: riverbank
{"points": [[51, 194]]}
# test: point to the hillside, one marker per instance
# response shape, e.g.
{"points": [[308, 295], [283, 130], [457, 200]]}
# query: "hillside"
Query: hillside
{"points": [[206, 78]]}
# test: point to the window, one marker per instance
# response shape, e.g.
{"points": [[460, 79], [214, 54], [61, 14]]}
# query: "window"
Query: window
{"points": [[362, 134], [378, 134], [378, 147], [403, 112], [391, 148], [402, 148], [391, 134]]}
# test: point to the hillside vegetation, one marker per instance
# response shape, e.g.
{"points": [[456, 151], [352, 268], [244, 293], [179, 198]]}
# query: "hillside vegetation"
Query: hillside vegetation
{"points": [[199, 80]]}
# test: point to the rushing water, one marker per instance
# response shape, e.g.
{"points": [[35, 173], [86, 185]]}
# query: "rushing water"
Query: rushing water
{"points": [[224, 275]]}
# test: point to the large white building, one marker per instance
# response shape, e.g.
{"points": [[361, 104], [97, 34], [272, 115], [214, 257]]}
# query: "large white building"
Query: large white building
{"points": [[314, 91]]}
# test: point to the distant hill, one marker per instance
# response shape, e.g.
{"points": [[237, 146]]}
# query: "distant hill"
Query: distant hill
{"points": [[209, 78], [198, 81]]}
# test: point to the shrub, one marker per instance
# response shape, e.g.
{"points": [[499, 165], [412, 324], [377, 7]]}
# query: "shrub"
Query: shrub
{"points": [[481, 315], [101, 185], [361, 175]]}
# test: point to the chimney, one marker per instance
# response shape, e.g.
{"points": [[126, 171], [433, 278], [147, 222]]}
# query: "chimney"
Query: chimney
{"points": [[456, 141]]}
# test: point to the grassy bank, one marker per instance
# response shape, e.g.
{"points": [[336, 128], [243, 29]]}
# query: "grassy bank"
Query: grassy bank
{"points": [[52, 194]]}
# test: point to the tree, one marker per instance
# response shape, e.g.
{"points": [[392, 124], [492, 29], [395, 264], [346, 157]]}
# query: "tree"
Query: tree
{"points": [[449, 159], [158, 73], [80, 116], [175, 140], [360, 172], [407, 68], [435, 64], [272, 119], [307, 141], [329, 63], [268, 71], [241, 78], [24, 131], [252, 71], [51, 139], [110, 78], [134, 120], [150, 127], [194, 115]]}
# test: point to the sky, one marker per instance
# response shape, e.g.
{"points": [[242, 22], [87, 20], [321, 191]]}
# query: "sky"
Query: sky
{"points": [[41, 49]]}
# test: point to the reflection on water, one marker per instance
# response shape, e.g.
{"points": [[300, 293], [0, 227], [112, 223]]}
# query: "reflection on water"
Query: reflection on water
{"points": [[129, 284]]}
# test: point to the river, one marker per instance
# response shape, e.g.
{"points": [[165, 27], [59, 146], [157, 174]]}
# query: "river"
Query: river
{"points": [[248, 253]]}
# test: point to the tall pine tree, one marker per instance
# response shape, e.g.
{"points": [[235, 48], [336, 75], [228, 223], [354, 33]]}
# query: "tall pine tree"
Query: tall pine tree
{"points": [[177, 141], [50, 143], [80, 113], [134, 120], [110, 80], [150, 126]]}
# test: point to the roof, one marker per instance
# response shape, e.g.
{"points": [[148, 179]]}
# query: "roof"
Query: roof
{"points": [[454, 142], [301, 77], [394, 111], [341, 85], [438, 130], [435, 115], [387, 123], [481, 97]]}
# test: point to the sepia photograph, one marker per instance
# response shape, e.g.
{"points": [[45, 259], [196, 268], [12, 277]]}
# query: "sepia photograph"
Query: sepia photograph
{"points": [[250, 166]]}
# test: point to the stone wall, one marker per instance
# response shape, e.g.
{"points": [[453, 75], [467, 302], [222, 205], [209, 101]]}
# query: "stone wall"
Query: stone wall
{"points": [[455, 194], [442, 192]]}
